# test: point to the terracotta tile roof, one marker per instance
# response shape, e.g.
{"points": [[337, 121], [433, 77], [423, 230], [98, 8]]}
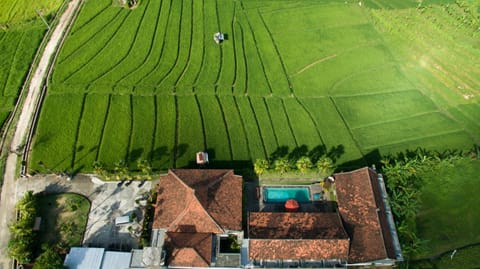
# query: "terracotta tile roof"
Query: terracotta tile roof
{"points": [[202, 200], [307, 249], [189, 249], [361, 212], [295, 225], [192, 205], [297, 235]]}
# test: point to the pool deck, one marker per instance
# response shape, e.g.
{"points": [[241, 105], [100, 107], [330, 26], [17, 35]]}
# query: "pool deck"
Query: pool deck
{"points": [[256, 203]]}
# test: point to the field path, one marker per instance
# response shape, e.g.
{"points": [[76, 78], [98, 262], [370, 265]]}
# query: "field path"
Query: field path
{"points": [[314, 63], [7, 198]]}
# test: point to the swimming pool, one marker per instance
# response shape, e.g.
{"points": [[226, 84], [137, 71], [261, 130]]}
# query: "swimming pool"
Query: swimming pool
{"points": [[280, 195]]}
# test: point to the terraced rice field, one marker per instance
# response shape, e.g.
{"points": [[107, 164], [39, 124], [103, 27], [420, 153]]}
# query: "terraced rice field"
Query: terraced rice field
{"points": [[354, 80]]}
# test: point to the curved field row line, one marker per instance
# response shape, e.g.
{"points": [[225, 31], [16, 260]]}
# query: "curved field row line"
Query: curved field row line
{"points": [[226, 127], [202, 122], [244, 57], [80, 27], [179, 38], [185, 68], [473, 120], [244, 130], [130, 135], [252, 108], [88, 40], [179, 55], [340, 114], [175, 144], [270, 120], [234, 47], [373, 93], [439, 134], [124, 57], [312, 119], [289, 123], [4, 36], [277, 51], [12, 63], [77, 131], [100, 142], [256, 124], [155, 128], [164, 41], [197, 77], [356, 73], [12, 8], [259, 55], [220, 67], [432, 34], [411, 116], [85, 63], [154, 40]]}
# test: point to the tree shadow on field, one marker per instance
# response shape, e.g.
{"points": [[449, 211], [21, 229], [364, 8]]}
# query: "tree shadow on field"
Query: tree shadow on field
{"points": [[298, 152], [372, 157], [158, 153], [280, 152], [317, 152], [336, 152], [180, 150], [134, 156]]}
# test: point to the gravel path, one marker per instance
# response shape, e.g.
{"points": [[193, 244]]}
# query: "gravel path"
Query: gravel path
{"points": [[8, 197]]}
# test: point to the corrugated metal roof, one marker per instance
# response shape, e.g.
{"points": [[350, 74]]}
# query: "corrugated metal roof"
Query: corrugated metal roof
{"points": [[84, 258], [116, 260]]}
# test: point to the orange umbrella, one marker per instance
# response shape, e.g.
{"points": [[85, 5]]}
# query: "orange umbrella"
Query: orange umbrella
{"points": [[292, 205]]}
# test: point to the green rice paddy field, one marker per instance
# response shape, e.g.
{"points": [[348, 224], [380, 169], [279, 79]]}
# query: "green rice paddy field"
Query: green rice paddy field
{"points": [[21, 32], [352, 79]]}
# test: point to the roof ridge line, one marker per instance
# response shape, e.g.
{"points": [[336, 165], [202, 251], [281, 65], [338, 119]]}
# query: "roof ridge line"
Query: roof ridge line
{"points": [[189, 204], [218, 179], [184, 211], [179, 179]]}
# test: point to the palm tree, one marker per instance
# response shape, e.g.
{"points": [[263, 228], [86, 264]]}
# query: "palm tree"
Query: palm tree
{"points": [[145, 168], [99, 168], [261, 166], [303, 164], [325, 166], [120, 170], [282, 165]]}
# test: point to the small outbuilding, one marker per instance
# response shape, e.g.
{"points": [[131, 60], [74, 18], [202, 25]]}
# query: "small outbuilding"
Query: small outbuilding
{"points": [[218, 37], [202, 158]]}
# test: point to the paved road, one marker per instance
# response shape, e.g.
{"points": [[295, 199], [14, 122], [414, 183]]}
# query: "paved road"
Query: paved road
{"points": [[7, 198]]}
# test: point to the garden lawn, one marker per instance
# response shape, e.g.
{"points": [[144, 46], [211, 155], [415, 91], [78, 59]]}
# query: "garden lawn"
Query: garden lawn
{"points": [[64, 219], [448, 218]]}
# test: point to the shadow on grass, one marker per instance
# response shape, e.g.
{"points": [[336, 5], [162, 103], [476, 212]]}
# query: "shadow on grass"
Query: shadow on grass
{"points": [[64, 218]]}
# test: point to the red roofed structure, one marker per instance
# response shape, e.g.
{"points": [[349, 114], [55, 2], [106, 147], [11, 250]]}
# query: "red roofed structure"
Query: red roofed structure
{"points": [[196, 208], [359, 233], [193, 206]]}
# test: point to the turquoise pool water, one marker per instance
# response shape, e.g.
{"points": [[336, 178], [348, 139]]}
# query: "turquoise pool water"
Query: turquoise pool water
{"points": [[280, 195]]}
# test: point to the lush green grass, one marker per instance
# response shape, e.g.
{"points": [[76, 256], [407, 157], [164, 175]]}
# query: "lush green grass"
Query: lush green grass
{"points": [[20, 11], [17, 49], [447, 219], [334, 77], [64, 218]]}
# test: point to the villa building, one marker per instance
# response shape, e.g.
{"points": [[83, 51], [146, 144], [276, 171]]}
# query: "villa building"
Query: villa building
{"points": [[344, 221]]}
